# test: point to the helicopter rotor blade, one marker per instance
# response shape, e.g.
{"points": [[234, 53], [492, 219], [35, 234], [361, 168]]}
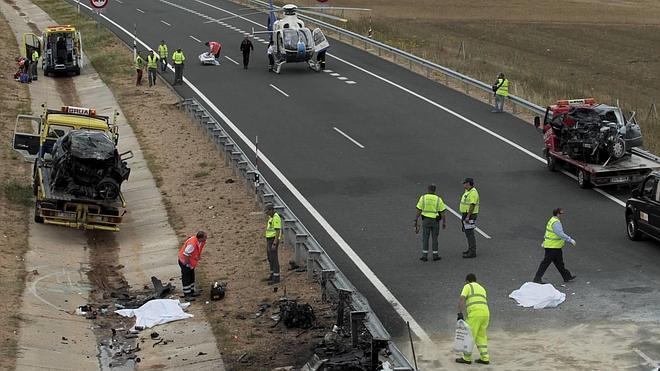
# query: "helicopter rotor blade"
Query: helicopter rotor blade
{"points": [[344, 20]]}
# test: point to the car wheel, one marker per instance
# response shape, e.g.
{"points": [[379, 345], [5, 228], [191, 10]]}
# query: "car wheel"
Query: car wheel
{"points": [[583, 179], [37, 218], [631, 227]]}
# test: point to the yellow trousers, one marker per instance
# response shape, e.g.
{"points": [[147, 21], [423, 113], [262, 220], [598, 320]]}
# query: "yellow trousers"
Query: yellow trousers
{"points": [[478, 326]]}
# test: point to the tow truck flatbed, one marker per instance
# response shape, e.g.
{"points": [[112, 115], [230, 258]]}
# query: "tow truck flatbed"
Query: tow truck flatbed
{"points": [[631, 169]]}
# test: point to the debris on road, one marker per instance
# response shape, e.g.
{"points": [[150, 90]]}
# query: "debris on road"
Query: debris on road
{"points": [[296, 315], [218, 290]]}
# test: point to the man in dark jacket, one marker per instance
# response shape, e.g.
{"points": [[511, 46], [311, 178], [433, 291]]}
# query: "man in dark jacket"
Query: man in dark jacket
{"points": [[246, 48]]}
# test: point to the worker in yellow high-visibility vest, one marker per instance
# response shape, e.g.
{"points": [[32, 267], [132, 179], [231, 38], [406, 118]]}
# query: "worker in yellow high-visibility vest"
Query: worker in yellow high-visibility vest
{"points": [[139, 66], [501, 90], [469, 208], [553, 242], [475, 302], [162, 54], [178, 58], [273, 237], [431, 209], [152, 67]]}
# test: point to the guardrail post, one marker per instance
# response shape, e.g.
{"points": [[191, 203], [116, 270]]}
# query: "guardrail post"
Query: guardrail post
{"points": [[326, 275], [514, 106], [379, 50], [301, 239], [312, 256], [357, 316], [289, 233], [268, 198], [344, 298], [376, 347]]}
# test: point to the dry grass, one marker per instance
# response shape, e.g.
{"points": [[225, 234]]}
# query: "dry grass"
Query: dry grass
{"points": [[15, 194], [549, 50]]}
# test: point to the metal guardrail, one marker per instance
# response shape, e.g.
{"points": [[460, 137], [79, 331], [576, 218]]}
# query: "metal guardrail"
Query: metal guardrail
{"points": [[431, 66], [308, 252]]}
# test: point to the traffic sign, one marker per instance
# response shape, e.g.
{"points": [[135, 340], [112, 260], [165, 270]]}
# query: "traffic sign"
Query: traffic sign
{"points": [[99, 4]]}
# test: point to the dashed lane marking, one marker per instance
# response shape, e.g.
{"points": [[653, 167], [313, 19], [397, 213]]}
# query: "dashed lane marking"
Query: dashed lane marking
{"points": [[165, 23], [194, 38], [278, 89], [348, 137], [233, 61], [140, 10]]}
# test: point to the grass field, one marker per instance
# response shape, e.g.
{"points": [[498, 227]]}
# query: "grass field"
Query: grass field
{"points": [[608, 49]]}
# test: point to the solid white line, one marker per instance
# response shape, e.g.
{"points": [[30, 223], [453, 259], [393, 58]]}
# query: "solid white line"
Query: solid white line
{"points": [[349, 138], [233, 61], [139, 10], [651, 362], [165, 23], [194, 38], [605, 194], [276, 88], [467, 120]]}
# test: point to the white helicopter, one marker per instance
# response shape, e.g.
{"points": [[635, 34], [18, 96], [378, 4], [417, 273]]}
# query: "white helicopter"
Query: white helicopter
{"points": [[296, 43]]}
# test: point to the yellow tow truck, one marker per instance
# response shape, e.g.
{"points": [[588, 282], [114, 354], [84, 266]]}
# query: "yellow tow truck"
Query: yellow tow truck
{"points": [[77, 169]]}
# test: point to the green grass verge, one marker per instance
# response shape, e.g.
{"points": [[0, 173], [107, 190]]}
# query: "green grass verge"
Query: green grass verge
{"points": [[17, 192]]}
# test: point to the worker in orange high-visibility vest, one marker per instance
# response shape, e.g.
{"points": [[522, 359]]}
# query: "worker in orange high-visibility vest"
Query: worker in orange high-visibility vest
{"points": [[189, 255]]}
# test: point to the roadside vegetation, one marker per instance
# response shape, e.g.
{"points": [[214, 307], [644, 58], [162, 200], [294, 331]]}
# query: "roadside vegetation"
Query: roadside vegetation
{"points": [[15, 199], [548, 50]]}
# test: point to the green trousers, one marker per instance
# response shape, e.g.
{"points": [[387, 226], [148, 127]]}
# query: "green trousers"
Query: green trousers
{"points": [[478, 326]]}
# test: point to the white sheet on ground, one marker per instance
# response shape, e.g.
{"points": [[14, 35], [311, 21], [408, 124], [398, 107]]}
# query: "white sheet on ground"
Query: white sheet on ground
{"points": [[538, 296], [156, 312]]}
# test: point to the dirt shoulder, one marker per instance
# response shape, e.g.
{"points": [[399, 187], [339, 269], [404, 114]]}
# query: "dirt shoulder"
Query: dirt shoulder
{"points": [[15, 197]]}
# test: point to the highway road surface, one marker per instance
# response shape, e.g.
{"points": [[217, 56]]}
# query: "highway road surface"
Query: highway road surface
{"points": [[360, 141]]}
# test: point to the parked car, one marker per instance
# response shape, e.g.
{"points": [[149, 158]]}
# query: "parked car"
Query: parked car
{"points": [[643, 209]]}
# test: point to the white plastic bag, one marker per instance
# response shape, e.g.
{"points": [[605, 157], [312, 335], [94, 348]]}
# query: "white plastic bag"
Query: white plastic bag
{"points": [[463, 341]]}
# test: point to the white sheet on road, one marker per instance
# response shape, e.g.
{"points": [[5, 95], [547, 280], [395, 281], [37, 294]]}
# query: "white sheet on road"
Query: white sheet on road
{"points": [[156, 312], [538, 296]]}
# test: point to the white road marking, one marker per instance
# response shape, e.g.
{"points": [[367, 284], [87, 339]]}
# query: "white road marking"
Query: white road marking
{"points": [[334, 74], [327, 71], [140, 10], [350, 82], [119, 1], [651, 362], [233, 61], [165, 23], [342, 78], [349, 138], [194, 38], [278, 89]]}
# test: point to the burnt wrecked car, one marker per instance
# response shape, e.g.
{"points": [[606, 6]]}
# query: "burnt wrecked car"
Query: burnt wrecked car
{"points": [[596, 134], [86, 163]]}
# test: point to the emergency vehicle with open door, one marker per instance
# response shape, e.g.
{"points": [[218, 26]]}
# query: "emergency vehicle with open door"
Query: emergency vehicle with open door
{"points": [[60, 47]]}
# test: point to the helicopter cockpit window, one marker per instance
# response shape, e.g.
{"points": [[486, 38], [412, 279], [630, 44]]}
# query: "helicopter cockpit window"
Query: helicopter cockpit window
{"points": [[306, 36], [290, 39]]}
